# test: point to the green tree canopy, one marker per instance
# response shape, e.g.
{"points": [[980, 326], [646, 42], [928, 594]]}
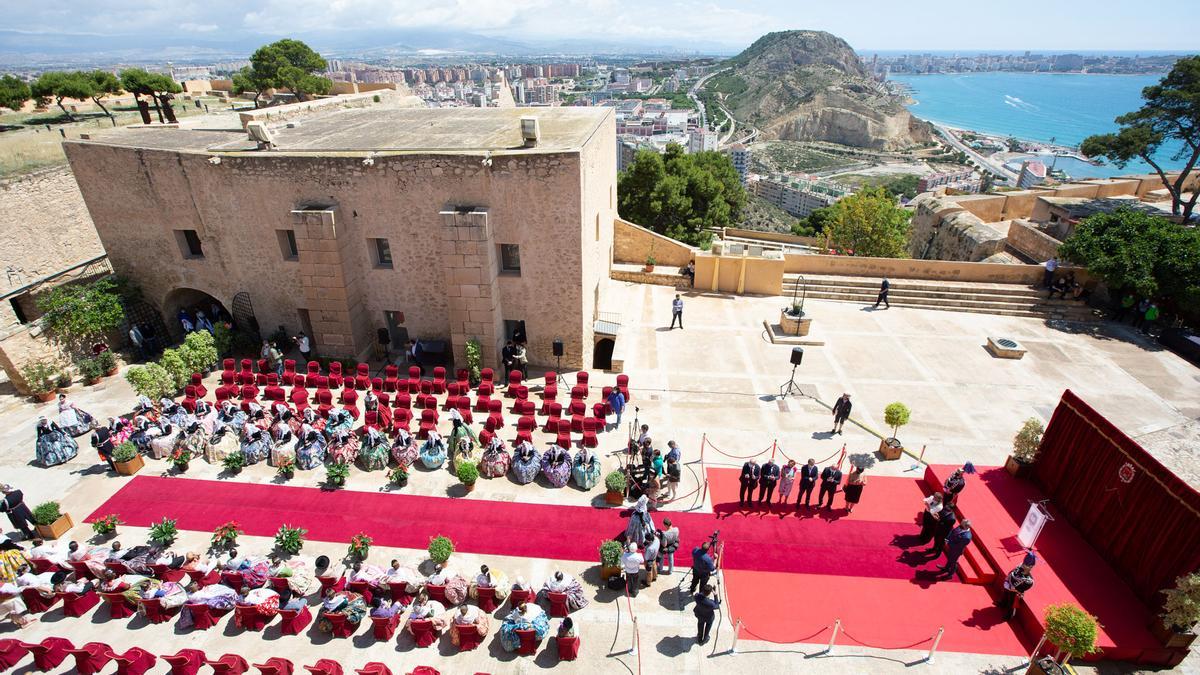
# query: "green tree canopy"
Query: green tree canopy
{"points": [[681, 195], [1171, 113], [157, 86], [246, 81], [285, 64], [58, 85], [104, 83], [13, 92], [870, 224], [1139, 252], [80, 314]]}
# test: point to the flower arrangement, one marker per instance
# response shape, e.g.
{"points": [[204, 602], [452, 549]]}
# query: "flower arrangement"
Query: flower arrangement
{"points": [[360, 545], [440, 549], [290, 539], [337, 473], [125, 452], [285, 467], [1181, 610], [46, 513], [106, 525], [226, 535], [180, 458], [233, 462], [164, 532]]}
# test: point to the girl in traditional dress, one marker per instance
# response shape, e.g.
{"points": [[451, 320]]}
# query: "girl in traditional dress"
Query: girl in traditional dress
{"points": [[433, 451], [162, 444], [217, 596], [489, 578], [312, 419], [343, 447], [74, 421], [256, 444], [339, 420], [347, 603], [561, 582], [455, 583], [11, 560], [425, 609], [786, 478], [174, 413], [206, 415], [265, 600], [310, 448], [469, 618], [526, 463], [527, 616], [586, 469], [556, 466], [120, 429], [496, 459], [404, 448], [193, 440], [300, 578], [374, 452], [54, 446], [282, 443], [462, 441]]}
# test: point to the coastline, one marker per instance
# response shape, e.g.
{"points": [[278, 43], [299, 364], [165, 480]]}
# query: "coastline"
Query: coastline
{"points": [[1030, 72]]}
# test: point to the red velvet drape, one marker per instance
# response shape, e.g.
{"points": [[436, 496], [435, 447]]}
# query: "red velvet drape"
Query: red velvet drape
{"points": [[1147, 528]]}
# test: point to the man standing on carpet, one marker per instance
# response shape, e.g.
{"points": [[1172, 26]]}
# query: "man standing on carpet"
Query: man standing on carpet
{"points": [[766, 482], [945, 523], [956, 543], [1016, 584], [749, 479], [831, 477], [705, 611], [703, 567], [808, 479]]}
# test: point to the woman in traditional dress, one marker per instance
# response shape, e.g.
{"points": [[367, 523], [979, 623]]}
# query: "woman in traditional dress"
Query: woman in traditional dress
{"points": [[73, 420], [169, 594], [265, 600], [489, 578], [374, 452], [217, 596], [343, 447], [145, 429], [120, 429], [347, 603], [310, 448], [283, 443], [54, 446], [300, 578], [525, 463], [162, 444], [231, 416], [786, 478], [462, 441], [206, 415], [640, 523], [12, 607], [425, 609], [527, 616], [312, 419], [469, 618], [174, 413], [496, 459], [399, 574], [433, 451], [193, 440], [455, 583], [561, 582], [285, 418], [404, 448], [854, 487], [256, 444], [586, 469], [11, 560], [556, 465], [339, 420]]}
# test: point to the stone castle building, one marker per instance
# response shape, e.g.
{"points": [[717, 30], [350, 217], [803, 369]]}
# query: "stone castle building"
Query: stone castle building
{"points": [[344, 216]]}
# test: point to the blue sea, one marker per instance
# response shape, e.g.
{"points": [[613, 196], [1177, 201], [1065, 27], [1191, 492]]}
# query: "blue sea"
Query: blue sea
{"points": [[1063, 108]]}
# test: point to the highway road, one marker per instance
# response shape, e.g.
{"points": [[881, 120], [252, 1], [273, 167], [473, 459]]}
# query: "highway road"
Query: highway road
{"points": [[979, 159]]}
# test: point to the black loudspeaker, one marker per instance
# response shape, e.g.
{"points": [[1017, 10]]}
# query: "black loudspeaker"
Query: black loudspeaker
{"points": [[558, 348], [797, 355]]}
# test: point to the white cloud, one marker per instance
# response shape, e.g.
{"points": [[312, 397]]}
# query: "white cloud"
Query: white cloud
{"points": [[198, 27]]}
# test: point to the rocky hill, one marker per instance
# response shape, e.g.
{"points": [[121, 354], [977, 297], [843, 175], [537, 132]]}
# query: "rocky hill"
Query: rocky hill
{"points": [[811, 86]]}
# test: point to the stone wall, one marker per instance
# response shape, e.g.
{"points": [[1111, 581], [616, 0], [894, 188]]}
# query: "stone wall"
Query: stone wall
{"points": [[1025, 236], [739, 274], [634, 242], [279, 113], [944, 231], [907, 268]]}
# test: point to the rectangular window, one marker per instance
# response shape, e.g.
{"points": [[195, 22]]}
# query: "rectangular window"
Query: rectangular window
{"points": [[189, 243], [510, 258], [18, 310], [382, 253], [287, 244]]}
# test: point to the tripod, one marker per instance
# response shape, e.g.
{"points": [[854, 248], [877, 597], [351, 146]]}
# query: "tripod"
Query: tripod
{"points": [[558, 370], [790, 387]]}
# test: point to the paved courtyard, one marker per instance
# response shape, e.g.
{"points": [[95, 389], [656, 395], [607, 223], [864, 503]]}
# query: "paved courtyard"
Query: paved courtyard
{"points": [[716, 379]]}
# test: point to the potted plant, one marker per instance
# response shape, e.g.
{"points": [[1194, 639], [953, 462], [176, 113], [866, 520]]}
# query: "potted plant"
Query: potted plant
{"points": [[440, 549], [360, 546], [107, 362], [127, 459], [285, 468], [651, 261], [180, 459], [50, 522], [610, 558], [1070, 629], [106, 526], [895, 415], [40, 378], [468, 473], [164, 532], [1026, 444], [399, 476], [290, 539], [90, 370], [1175, 627], [336, 474], [62, 381], [614, 484], [474, 351], [233, 462], [225, 536]]}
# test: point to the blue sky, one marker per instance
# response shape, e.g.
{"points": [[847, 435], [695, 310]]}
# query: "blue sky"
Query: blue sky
{"points": [[866, 24]]}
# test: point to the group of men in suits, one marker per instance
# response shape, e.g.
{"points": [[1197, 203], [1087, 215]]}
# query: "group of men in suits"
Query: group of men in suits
{"points": [[766, 477]]}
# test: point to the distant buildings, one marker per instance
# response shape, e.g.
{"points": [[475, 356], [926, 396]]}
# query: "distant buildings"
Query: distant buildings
{"points": [[799, 194], [702, 140], [1032, 173], [963, 180], [740, 155]]}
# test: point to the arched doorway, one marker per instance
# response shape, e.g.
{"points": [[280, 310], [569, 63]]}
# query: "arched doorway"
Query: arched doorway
{"points": [[602, 355], [192, 301]]}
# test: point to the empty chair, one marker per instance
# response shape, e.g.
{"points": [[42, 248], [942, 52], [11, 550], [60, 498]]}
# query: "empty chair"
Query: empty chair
{"points": [[623, 386], [289, 371], [568, 648], [487, 375], [377, 384], [579, 393], [577, 411], [228, 365], [49, 653], [185, 661], [91, 657], [519, 392], [321, 382], [35, 602], [117, 609], [581, 378], [294, 621], [11, 653], [485, 389], [495, 418], [463, 376], [362, 381], [203, 616], [464, 408], [247, 366], [402, 400], [384, 627], [439, 380], [348, 396], [604, 393], [325, 667], [41, 565], [78, 604], [558, 605], [590, 426], [529, 642], [374, 668], [135, 661], [429, 421], [189, 398], [298, 396], [275, 666], [423, 633], [451, 401], [229, 664], [551, 378], [324, 402], [399, 593], [549, 394], [525, 427], [553, 413], [600, 411], [336, 378], [482, 401], [564, 436], [514, 378], [401, 419]]}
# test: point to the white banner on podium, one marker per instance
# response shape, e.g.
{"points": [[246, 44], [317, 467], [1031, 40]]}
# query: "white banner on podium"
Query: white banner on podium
{"points": [[1035, 520]]}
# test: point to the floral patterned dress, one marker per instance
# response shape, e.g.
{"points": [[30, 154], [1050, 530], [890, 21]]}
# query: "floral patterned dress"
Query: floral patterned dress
{"points": [[404, 449], [556, 466]]}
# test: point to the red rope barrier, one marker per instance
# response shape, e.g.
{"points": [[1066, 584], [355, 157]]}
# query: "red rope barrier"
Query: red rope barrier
{"points": [[637, 634], [741, 456], [887, 648], [786, 642], [820, 461]]}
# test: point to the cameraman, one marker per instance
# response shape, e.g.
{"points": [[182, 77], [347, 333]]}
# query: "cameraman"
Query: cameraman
{"points": [[703, 566]]}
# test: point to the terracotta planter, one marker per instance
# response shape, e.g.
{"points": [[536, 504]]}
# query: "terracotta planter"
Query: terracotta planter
{"points": [[891, 448], [614, 498], [111, 372], [1018, 469], [608, 572], [469, 487], [1169, 637], [56, 529], [46, 397], [131, 467], [648, 268], [1045, 666]]}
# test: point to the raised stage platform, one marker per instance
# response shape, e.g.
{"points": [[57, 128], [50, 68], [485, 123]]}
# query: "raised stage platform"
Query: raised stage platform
{"points": [[1068, 568]]}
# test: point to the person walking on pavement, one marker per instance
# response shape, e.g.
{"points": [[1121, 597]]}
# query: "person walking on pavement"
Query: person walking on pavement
{"points": [[703, 566], [706, 612], [616, 400], [102, 440], [676, 312], [19, 514], [883, 294], [841, 413]]}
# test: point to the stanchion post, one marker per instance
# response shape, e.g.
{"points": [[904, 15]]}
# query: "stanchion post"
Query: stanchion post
{"points": [[1037, 649], [933, 650], [736, 630], [774, 447], [837, 625], [633, 651], [922, 457]]}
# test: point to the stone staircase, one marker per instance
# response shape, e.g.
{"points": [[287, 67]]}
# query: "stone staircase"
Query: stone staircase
{"points": [[954, 296]]}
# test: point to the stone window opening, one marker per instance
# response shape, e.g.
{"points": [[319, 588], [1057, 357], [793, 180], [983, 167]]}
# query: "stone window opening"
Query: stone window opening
{"points": [[381, 253], [287, 244], [18, 310], [189, 244], [510, 259]]}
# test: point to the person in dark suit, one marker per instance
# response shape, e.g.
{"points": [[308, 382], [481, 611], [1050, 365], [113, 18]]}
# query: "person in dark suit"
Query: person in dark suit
{"points": [[956, 543], [102, 440], [749, 479], [831, 477], [1016, 584], [18, 514], [767, 480], [705, 611], [808, 479], [883, 293], [945, 523], [841, 413]]}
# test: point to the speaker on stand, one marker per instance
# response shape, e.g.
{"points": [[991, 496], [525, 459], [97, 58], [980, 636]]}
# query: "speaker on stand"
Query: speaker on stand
{"points": [[791, 387], [558, 354]]}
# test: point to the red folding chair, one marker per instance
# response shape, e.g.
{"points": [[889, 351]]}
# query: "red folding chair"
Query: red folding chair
{"points": [[275, 666], [336, 583], [581, 378], [228, 365], [525, 427], [91, 657], [487, 375], [464, 408], [185, 661], [384, 627], [401, 419], [117, 607], [568, 648], [155, 612], [422, 631], [564, 436], [486, 597], [229, 664], [203, 579], [135, 661], [289, 371], [362, 588], [338, 627], [203, 616], [399, 592], [590, 426], [578, 411], [374, 668], [294, 620], [336, 377], [233, 580], [482, 401], [517, 596], [553, 413], [325, 667], [579, 393], [165, 573], [35, 602], [514, 378], [78, 604], [450, 403], [439, 380], [50, 653], [247, 617], [436, 592], [495, 419], [429, 421], [82, 571], [11, 653], [529, 642], [468, 638], [623, 386], [391, 378]]}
